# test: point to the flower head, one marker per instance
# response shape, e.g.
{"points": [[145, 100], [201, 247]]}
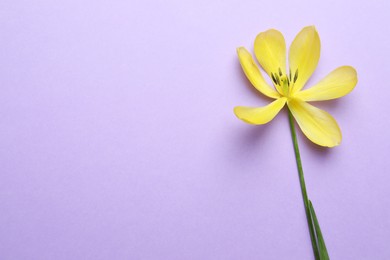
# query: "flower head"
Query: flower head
{"points": [[270, 50]]}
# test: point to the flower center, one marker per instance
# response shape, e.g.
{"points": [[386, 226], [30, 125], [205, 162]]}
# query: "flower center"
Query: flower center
{"points": [[284, 83]]}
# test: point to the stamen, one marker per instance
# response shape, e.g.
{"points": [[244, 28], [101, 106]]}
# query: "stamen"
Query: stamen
{"points": [[296, 76], [280, 72], [273, 78], [277, 79]]}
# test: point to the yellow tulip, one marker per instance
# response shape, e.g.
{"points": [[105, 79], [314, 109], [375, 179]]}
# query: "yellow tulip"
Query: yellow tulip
{"points": [[270, 50]]}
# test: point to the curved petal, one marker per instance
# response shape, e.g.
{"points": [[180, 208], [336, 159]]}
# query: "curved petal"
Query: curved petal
{"points": [[316, 124], [260, 115], [252, 72], [304, 55], [270, 51], [336, 84]]}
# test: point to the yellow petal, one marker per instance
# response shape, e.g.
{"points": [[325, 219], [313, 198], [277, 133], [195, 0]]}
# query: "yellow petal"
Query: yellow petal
{"points": [[260, 115], [304, 55], [270, 50], [252, 72], [316, 124], [336, 84]]}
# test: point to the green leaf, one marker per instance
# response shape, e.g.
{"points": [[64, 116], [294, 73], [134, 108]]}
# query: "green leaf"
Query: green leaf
{"points": [[320, 240]]}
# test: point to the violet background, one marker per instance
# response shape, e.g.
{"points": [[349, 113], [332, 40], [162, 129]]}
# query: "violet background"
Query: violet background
{"points": [[118, 139]]}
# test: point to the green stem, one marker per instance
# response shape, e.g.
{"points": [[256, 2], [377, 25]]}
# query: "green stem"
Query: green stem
{"points": [[303, 187]]}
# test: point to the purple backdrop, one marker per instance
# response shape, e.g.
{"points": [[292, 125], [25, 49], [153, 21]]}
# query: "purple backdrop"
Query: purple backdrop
{"points": [[118, 138]]}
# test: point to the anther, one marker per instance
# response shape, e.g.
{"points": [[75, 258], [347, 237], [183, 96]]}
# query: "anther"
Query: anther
{"points": [[280, 72], [273, 78], [277, 79], [296, 76]]}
